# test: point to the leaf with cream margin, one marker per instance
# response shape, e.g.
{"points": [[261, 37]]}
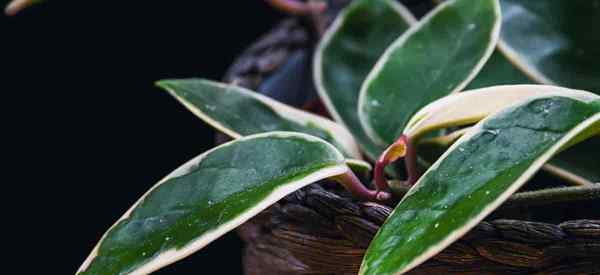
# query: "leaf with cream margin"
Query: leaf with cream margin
{"points": [[563, 52], [553, 41], [359, 167], [476, 175], [470, 107], [238, 112], [577, 164], [436, 57], [347, 53], [209, 196]]}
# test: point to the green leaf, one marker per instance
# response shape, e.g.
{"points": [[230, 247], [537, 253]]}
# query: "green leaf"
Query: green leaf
{"points": [[359, 167], [210, 196], [470, 107], [239, 112], [498, 71], [576, 165], [476, 175], [553, 41], [347, 53], [438, 56], [549, 42]]}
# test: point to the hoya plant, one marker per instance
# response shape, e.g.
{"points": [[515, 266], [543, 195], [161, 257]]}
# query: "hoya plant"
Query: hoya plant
{"points": [[444, 117]]}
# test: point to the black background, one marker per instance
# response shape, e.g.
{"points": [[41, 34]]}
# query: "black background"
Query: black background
{"points": [[86, 133]]}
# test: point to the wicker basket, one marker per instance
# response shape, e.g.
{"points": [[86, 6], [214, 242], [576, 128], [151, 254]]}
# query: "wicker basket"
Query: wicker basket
{"points": [[322, 230], [319, 231]]}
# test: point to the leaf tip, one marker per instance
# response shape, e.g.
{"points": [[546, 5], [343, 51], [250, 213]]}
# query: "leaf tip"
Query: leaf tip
{"points": [[163, 83], [167, 85]]}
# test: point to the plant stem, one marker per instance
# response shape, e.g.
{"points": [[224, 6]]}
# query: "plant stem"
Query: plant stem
{"points": [[402, 148], [318, 18], [296, 7], [358, 189]]}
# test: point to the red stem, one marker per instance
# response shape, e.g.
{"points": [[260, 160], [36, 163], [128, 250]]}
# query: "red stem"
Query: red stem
{"points": [[410, 161], [380, 180], [358, 190], [296, 7]]}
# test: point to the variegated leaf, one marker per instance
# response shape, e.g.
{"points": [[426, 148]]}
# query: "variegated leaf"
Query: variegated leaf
{"points": [[208, 197], [477, 174], [347, 53], [238, 112], [436, 57]]}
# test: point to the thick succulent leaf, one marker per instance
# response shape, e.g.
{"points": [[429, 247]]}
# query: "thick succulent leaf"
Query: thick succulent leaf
{"points": [[210, 196], [577, 165], [347, 53], [238, 112], [554, 41], [472, 106], [499, 71], [476, 175], [436, 57]]}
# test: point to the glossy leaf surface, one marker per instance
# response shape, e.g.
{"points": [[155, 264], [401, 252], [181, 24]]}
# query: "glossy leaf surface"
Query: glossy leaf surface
{"points": [[476, 175], [555, 42], [348, 52], [239, 112], [576, 165], [470, 107], [438, 56], [210, 196]]}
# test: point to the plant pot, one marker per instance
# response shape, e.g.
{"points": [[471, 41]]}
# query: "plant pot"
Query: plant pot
{"points": [[322, 230]]}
